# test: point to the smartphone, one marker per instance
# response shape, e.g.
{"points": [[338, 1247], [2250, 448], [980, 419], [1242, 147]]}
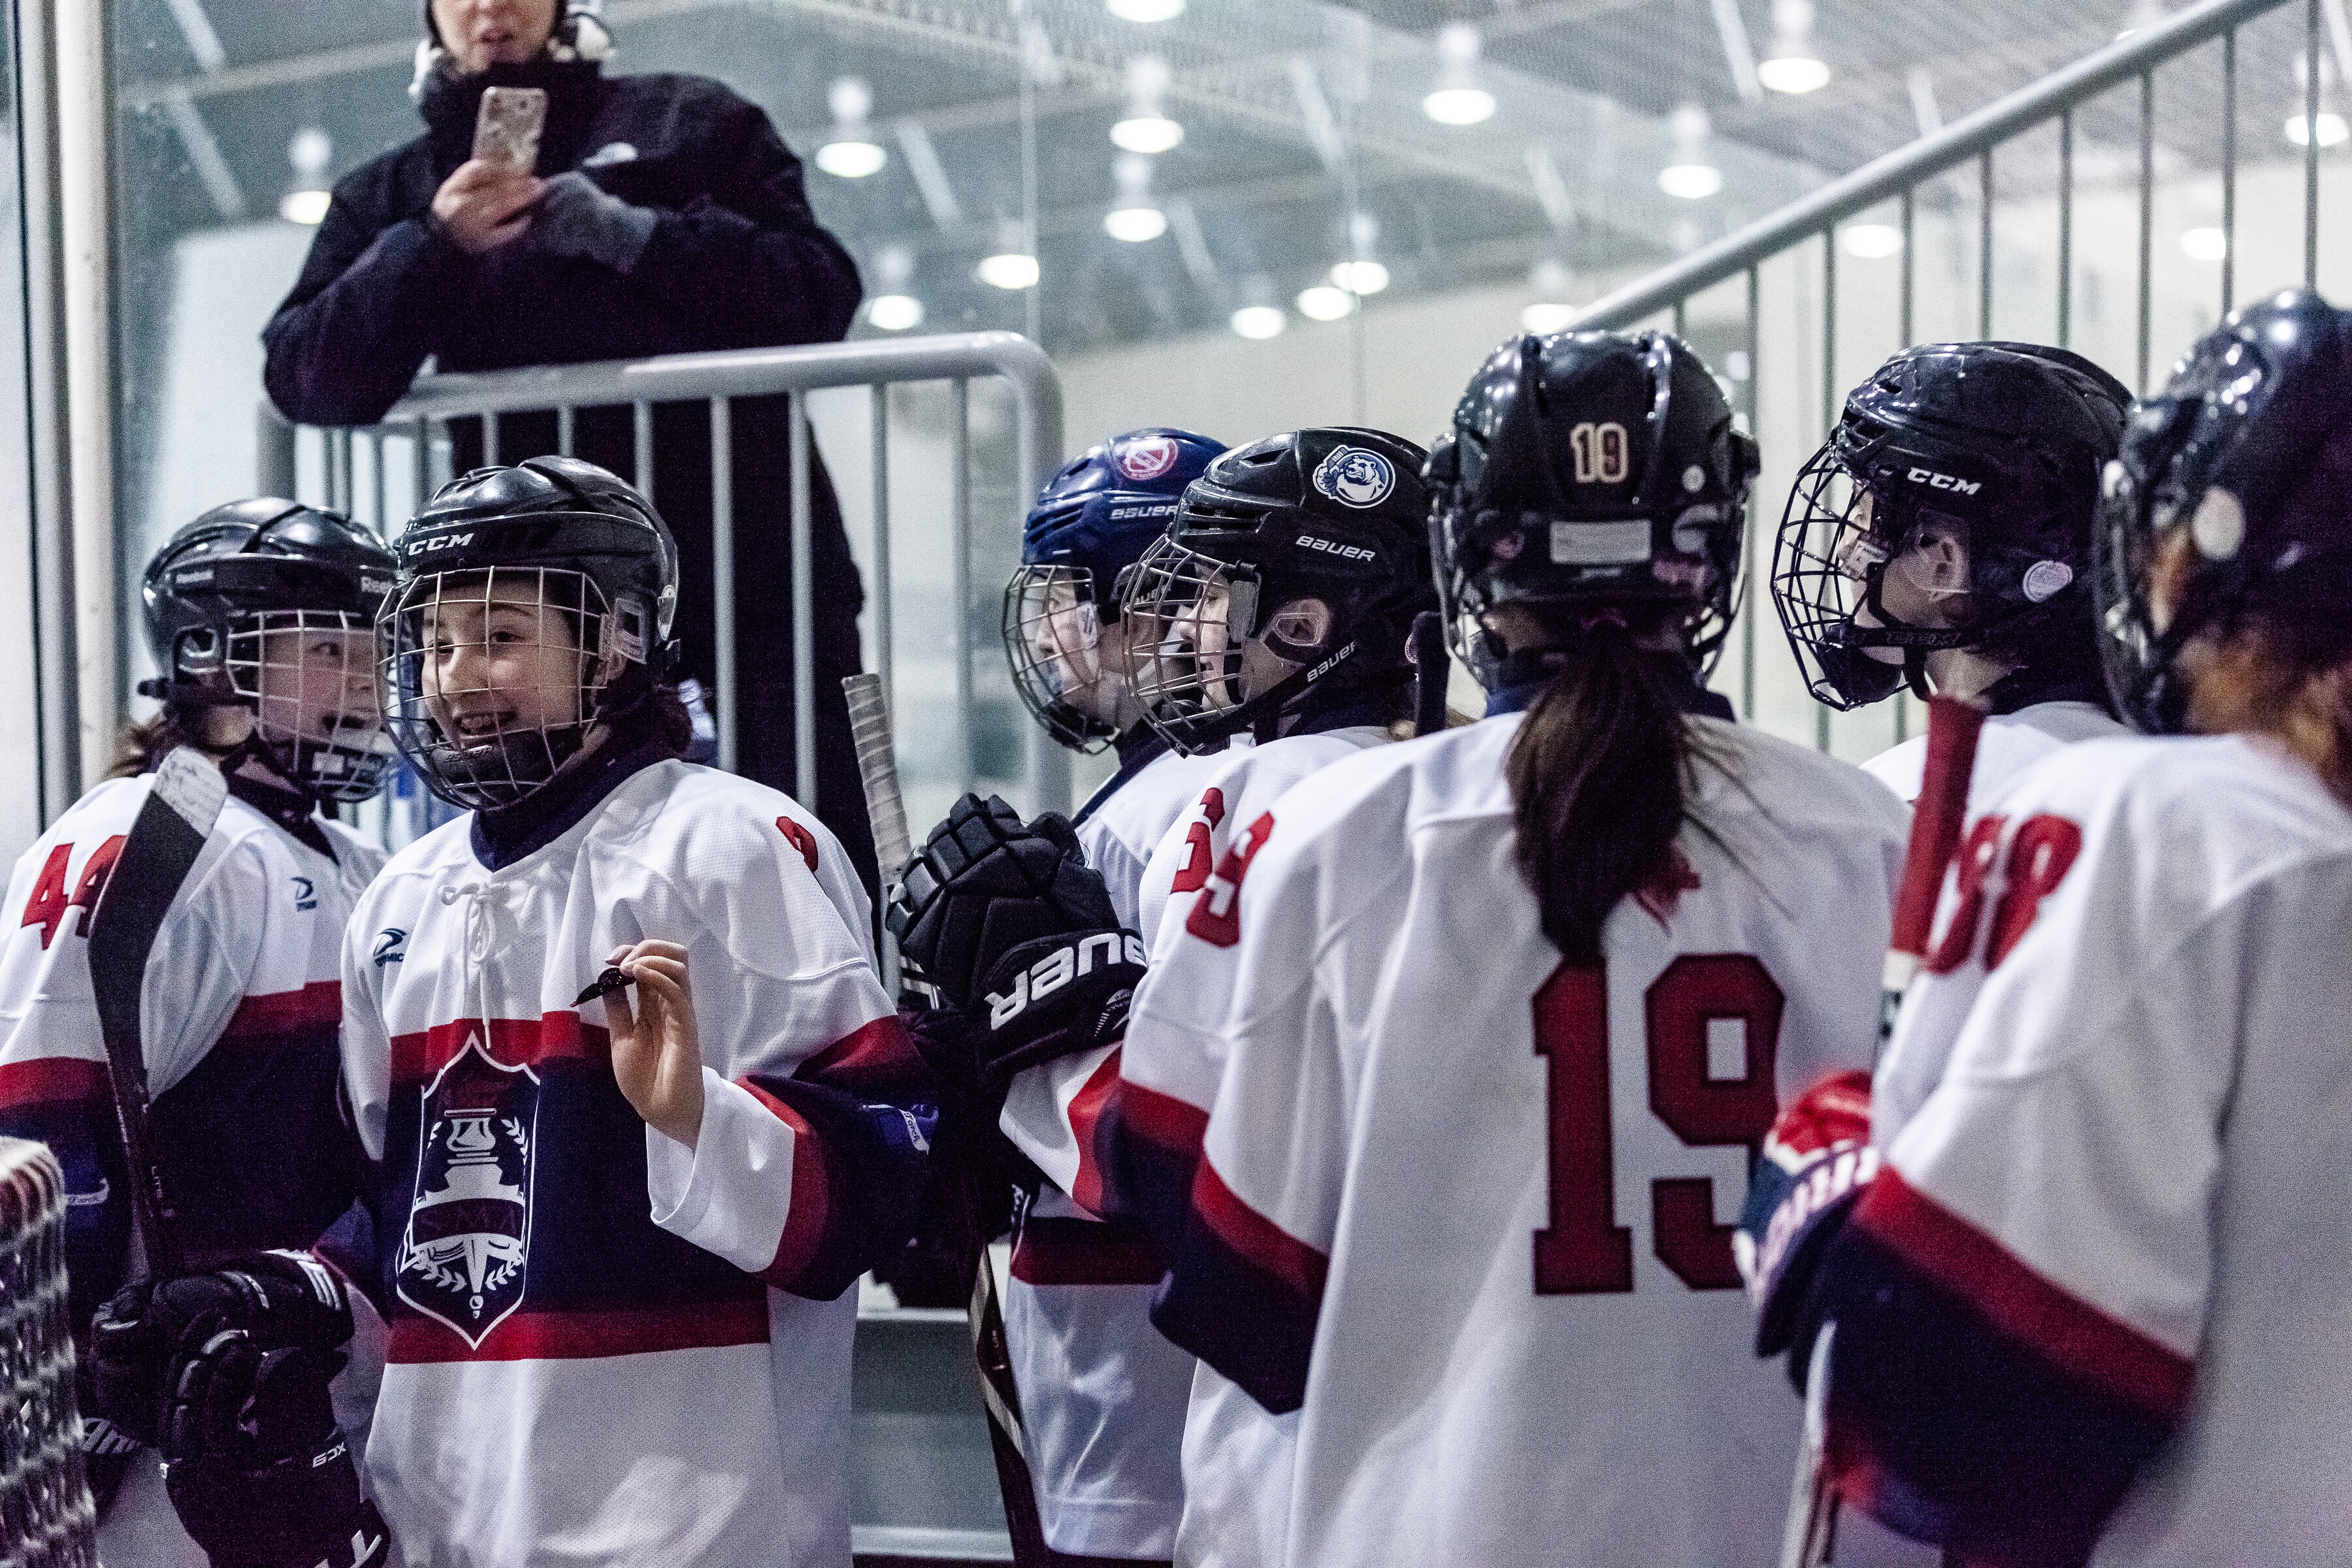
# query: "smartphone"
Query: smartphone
{"points": [[508, 130]]}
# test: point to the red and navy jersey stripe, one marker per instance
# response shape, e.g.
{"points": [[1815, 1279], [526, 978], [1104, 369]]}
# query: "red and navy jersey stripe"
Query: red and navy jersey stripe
{"points": [[1974, 1403], [1243, 1295]]}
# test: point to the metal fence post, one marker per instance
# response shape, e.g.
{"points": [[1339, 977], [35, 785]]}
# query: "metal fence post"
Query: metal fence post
{"points": [[804, 613], [723, 580]]}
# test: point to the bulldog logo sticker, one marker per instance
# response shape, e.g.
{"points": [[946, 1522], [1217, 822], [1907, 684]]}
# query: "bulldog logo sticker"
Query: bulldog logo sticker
{"points": [[464, 1254], [1147, 457], [1356, 477]]}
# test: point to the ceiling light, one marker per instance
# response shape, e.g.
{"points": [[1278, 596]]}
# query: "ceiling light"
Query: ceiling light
{"points": [[305, 206], [1360, 277], [1147, 134], [1871, 241], [1008, 269], [2204, 244], [1790, 64], [851, 153], [895, 312], [1456, 97], [1690, 176], [1135, 225], [1324, 302], [1259, 322], [2329, 124], [1145, 10], [2144, 14], [1546, 317]]}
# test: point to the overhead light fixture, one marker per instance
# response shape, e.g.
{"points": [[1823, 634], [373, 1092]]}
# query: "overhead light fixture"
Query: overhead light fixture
{"points": [[307, 199], [2328, 124], [896, 309], [1360, 277], [1457, 98], [1324, 302], [852, 153], [1690, 176], [1871, 241], [2204, 244], [1546, 317], [1146, 129], [2142, 14], [1259, 321], [1552, 283], [1791, 65], [1009, 269], [1137, 218], [1145, 12]]}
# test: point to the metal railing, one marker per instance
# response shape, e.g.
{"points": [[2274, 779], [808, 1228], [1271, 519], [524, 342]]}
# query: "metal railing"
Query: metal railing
{"points": [[957, 359], [1921, 173]]}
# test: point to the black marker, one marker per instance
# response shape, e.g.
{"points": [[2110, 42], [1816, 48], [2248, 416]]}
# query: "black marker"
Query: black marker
{"points": [[612, 980]]}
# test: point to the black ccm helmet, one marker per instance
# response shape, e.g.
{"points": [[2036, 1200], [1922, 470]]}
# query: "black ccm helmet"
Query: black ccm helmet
{"points": [[552, 554], [1995, 447], [1589, 468], [270, 605], [2248, 451], [1334, 513]]}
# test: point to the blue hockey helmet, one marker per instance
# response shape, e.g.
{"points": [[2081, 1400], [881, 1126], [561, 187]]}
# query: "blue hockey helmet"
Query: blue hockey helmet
{"points": [[2228, 498], [1091, 522]]}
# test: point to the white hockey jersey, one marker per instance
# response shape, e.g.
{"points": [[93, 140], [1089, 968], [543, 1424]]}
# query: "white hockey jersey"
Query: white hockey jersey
{"points": [[1464, 1209], [589, 1362], [238, 1014], [2007, 745], [1103, 1391], [2114, 1117]]}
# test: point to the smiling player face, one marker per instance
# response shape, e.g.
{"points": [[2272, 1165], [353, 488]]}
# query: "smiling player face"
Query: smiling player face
{"points": [[320, 683], [498, 662]]}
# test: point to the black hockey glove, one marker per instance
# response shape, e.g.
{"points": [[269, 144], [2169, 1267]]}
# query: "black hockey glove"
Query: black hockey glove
{"points": [[1018, 932], [255, 1466], [282, 1300]]}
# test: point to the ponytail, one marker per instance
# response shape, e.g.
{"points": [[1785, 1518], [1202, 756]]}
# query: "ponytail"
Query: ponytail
{"points": [[141, 744], [1597, 777]]}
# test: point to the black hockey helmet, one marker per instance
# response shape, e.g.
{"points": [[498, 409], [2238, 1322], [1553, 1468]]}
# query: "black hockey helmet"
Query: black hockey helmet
{"points": [[1093, 521], [1336, 513], [228, 600], [565, 541], [2248, 451], [1589, 468], [1995, 447]]}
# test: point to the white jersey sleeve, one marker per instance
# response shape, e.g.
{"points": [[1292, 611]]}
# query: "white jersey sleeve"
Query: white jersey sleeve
{"points": [[1447, 1175], [2114, 1151], [2007, 746]]}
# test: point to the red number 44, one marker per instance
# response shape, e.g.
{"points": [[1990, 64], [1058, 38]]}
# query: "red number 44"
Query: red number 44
{"points": [[1584, 1250]]}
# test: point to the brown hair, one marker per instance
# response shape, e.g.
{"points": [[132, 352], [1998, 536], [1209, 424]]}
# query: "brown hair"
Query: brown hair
{"points": [[141, 744], [2287, 679], [1598, 774]]}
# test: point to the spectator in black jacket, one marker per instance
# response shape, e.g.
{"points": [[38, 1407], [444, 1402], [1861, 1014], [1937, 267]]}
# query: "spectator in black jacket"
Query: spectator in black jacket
{"points": [[665, 214]]}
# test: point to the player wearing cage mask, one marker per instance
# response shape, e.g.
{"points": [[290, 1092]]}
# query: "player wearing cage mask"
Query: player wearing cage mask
{"points": [[259, 615], [1941, 539], [2107, 1235], [620, 1069]]}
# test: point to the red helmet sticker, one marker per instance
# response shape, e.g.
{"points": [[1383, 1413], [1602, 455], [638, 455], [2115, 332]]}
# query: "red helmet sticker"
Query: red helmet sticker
{"points": [[1146, 457]]}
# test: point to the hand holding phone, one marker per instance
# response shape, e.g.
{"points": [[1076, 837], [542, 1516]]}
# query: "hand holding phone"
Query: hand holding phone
{"points": [[491, 196]]}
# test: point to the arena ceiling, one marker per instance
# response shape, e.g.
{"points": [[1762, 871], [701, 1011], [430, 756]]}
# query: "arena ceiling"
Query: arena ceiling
{"points": [[1295, 115]]}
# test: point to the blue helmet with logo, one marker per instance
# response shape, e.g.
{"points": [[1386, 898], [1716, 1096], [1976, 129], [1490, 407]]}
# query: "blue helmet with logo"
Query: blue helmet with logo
{"points": [[1092, 521]]}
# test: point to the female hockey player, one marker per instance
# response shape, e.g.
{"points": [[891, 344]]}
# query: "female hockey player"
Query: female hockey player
{"points": [[614, 1238], [1942, 537], [1103, 1394], [1504, 1013], [2091, 1306], [260, 616], [1277, 605]]}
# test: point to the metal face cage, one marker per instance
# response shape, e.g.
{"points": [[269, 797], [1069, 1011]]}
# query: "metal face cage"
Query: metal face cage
{"points": [[311, 678], [2131, 653], [1052, 639], [492, 677], [1187, 617]]}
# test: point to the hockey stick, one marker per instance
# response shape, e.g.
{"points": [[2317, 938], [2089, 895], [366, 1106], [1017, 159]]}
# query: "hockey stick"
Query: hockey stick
{"points": [[878, 771], [1430, 668], [156, 857], [1954, 726]]}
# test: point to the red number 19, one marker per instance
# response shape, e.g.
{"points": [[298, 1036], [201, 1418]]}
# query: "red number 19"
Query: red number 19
{"points": [[1584, 1251]]}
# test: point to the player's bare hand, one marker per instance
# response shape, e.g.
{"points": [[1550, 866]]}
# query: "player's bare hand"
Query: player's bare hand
{"points": [[655, 1053], [483, 205]]}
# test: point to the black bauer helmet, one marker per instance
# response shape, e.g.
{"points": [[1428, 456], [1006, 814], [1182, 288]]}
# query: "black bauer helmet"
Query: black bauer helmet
{"points": [[1973, 470], [1334, 513], [1589, 468], [2248, 452], [550, 556], [270, 604]]}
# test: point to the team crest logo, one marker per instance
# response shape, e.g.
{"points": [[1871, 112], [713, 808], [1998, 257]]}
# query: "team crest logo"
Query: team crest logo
{"points": [[1353, 476], [1147, 457], [389, 943], [462, 1258]]}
